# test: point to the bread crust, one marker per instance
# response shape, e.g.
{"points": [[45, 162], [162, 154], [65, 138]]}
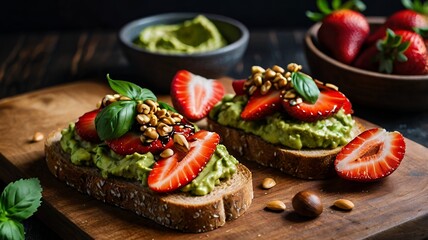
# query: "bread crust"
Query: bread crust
{"points": [[305, 164], [177, 210]]}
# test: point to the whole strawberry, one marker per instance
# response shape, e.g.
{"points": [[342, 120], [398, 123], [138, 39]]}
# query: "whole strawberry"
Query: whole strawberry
{"points": [[401, 52], [343, 30], [414, 16]]}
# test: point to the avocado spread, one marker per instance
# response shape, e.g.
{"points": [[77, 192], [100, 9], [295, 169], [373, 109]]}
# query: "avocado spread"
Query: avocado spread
{"points": [[191, 36], [137, 166], [279, 128]]}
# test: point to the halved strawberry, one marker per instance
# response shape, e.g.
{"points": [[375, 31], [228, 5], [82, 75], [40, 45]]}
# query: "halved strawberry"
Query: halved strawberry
{"points": [[130, 142], [329, 102], [238, 86], [372, 155], [171, 173], [194, 96], [259, 106], [85, 126], [347, 105]]}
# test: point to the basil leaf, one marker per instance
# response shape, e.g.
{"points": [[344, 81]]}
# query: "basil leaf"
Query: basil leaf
{"points": [[305, 86], [116, 119], [21, 199], [166, 106], [130, 90], [11, 230]]}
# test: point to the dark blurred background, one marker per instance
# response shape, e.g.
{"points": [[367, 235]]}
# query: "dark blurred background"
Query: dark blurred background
{"points": [[53, 15]]}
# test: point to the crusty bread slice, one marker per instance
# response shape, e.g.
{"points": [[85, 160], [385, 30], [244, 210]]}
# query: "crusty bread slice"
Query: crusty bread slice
{"points": [[305, 164], [177, 210]]}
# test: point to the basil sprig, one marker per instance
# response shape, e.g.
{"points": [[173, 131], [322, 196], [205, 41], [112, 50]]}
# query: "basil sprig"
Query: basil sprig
{"points": [[118, 117], [305, 86], [130, 90], [18, 201]]}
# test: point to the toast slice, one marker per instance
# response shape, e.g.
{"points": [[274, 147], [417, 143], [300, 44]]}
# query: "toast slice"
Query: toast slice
{"points": [[178, 210], [304, 163]]}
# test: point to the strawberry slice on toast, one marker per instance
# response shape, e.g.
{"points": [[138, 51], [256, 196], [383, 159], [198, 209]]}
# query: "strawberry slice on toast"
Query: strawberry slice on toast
{"points": [[131, 142], [238, 86], [194, 96], [259, 106], [372, 155], [173, 172], [329, 102], [85, 126]]}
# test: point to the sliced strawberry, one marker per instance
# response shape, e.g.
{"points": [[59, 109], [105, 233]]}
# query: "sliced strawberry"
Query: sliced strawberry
{"points": [[329, 102], [259, 106], [372, 155], [238, 86], [347, 106], [171, 173], [85, 126], [131, 143], [194, 96]]}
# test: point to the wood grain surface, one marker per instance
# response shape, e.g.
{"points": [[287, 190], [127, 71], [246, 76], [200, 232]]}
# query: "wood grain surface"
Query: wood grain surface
{"points": [[392, 208]]}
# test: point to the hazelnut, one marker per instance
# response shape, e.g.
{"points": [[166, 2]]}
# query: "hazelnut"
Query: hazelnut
{"points": [[307, 204]]}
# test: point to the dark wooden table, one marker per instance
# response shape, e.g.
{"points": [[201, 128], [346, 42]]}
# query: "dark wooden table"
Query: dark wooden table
{"points": [[33, 61]]}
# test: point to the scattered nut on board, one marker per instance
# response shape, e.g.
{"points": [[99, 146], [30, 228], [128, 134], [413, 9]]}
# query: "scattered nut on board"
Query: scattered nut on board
{"points": [[268, 183], [307, 204], [37, 137], [276, 205], [344, 204]]}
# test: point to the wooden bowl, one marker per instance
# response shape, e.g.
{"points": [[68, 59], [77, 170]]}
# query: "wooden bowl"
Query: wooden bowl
{"points": [[367, 88]]}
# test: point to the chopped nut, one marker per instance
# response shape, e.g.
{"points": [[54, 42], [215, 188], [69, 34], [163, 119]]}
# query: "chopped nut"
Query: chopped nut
{"points": [[142, 119], [124, 98], [344, 204], [332, 86], [164, 129], [278, 69], [108, 99], [143, 108], [152, 104], [258, 80], [276, 205], [318, 82], [268, 183], [181, 142], [167, 153], [151, 133], [257, 69], [269, 74], [293, 67], [153, 120], [38, 136], [252, 89], [265, 87], [289, 95], [161, 113]]}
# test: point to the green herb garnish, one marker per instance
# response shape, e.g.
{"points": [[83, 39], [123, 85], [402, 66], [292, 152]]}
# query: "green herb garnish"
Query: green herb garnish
{"points": [[305, 86], [130, 90], [117, 118], [18, 201]]}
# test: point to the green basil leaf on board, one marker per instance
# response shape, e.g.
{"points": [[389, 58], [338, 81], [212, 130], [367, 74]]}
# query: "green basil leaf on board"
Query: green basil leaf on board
{"points": [[11, 230], [116, 119], [130, 90], [21, 199], [305, 86]]}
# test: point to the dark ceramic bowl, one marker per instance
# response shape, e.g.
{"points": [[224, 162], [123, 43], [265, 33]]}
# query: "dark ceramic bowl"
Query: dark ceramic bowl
{"points": [[158, 69], [368, 88]]}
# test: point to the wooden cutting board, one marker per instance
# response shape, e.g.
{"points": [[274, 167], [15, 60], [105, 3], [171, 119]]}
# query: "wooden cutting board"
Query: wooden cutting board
{"points": [[395, 207]]}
